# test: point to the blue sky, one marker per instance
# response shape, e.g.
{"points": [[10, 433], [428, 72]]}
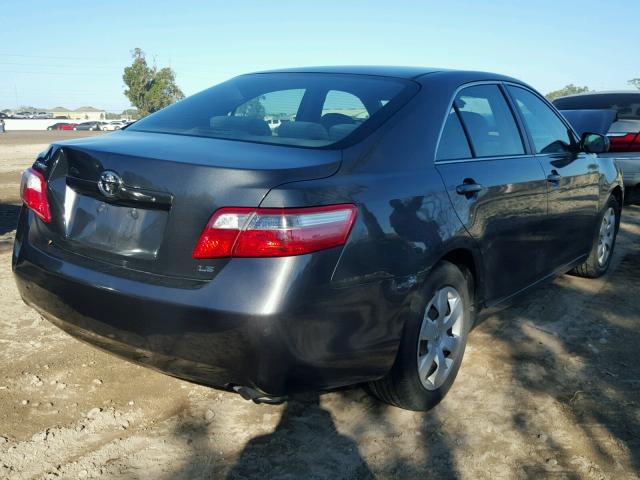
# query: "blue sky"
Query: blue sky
{"points": [[72, 53]]}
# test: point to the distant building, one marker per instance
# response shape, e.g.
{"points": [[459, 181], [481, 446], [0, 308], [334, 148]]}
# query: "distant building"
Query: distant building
{"points": [[59, 112], [82, 113]]}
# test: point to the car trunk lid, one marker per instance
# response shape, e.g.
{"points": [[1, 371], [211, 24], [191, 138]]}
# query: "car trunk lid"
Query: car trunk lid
{"points": [[168, 186], [623, 133]]}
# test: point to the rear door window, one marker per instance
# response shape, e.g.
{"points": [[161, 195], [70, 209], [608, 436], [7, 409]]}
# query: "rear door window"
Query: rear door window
{"points": [[343, 112], [271, 109], [346, 104], [453, 142], [489, 122], [549, 133], [282, 103]]}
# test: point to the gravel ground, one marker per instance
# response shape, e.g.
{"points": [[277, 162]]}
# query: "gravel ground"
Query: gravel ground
{"points": [[549, 388], [18, 150]]}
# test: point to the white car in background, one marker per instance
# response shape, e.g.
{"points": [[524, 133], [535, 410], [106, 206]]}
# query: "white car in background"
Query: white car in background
{"points": [[114, 125]]}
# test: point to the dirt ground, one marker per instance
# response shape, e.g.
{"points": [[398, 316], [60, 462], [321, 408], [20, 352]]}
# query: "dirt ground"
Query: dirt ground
{"points": [[549, 388]]}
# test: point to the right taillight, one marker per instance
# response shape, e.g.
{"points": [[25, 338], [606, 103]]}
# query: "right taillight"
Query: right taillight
{"points": [[624, 142], [33, 190], [274, 232]]}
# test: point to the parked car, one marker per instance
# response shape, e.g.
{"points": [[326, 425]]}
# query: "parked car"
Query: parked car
{"points": [[42, 115], [62, 126], [623, 128], [341, 248], [113, 125], [22, 115], [93, 126], [4, 115]]}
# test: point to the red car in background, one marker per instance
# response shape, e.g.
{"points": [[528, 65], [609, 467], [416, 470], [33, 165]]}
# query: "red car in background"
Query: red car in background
{"points": [[61, 126]]}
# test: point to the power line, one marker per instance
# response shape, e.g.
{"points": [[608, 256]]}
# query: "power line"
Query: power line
{"points": [[84, 65], [150, 60], [45, 56], [54, 73]]}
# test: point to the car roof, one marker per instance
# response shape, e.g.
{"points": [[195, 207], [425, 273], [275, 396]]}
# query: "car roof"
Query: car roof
{"points": [[405, 72], [377, 70], [603, 92]]}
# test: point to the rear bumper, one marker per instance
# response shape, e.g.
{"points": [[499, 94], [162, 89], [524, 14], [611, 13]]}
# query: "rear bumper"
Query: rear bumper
{"points": [[630, 167], [276, 325]]}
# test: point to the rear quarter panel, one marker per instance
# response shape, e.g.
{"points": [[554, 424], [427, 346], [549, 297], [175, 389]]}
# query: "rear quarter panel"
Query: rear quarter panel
{"points": [[610, 177], [405, 219]]}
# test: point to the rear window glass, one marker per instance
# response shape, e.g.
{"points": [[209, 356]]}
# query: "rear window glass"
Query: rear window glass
{"points": [[626, 104], [301, 109]]}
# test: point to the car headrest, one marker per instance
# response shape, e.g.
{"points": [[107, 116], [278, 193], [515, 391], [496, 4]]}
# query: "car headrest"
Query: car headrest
{"points": [[338, 132], [248, 125], [303, 130], [329, 120]]}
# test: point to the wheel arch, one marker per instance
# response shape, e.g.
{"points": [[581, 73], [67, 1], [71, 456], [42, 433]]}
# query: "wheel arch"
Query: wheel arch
{"points": [[468, 260], [618, 194]]}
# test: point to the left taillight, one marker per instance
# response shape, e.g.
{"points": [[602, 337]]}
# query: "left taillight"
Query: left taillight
{"points": [[33, 190], [624, 142], [274, 232]]}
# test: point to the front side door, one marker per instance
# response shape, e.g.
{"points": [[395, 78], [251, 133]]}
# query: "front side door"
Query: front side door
{"points": [[572, 178], [498, 190]]}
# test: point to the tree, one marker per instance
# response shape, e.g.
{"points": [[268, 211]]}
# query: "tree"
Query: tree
{"points": [[149, 88], [570, 89], [635, 82], [131, 113]]}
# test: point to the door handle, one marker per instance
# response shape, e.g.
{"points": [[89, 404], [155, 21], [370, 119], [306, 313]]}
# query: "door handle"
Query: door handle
{"points": [[554, 178], [469, 189]]}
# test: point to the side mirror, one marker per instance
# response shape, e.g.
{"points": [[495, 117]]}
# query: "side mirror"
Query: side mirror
{"points": [[594, 143]]}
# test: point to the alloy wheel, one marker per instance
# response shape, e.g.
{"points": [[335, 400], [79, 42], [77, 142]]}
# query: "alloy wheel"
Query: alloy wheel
{"points": [[606, 236], [440, 337]]}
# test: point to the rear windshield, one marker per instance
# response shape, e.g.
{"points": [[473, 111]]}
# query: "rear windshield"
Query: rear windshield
{"points": [[626, 104], [301, 109]]}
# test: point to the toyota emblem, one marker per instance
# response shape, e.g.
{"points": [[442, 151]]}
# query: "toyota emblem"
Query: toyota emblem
{"points": [[109, 183]]}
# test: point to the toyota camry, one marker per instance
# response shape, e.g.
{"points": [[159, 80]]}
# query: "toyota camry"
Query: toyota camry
{"points": [[313, 228]]}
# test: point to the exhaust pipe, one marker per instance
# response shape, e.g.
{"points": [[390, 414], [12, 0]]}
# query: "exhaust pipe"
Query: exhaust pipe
{"points": [[256, 396]]}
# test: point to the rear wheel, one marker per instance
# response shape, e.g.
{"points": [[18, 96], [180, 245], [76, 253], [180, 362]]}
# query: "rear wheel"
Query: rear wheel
{"points": [[604, 242], [433, 344]]}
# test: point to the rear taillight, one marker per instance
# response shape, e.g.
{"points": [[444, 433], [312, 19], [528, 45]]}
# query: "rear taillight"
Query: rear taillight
{"points": [[624, 142], [274, 232], [33, 190]]}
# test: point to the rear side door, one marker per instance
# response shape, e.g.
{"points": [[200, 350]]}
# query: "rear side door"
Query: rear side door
{"points": [[572, 176], [498, 189]]}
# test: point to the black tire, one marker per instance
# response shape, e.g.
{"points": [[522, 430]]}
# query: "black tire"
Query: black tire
{"points": [[592, 266], [49, 128], [402, 386]]}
